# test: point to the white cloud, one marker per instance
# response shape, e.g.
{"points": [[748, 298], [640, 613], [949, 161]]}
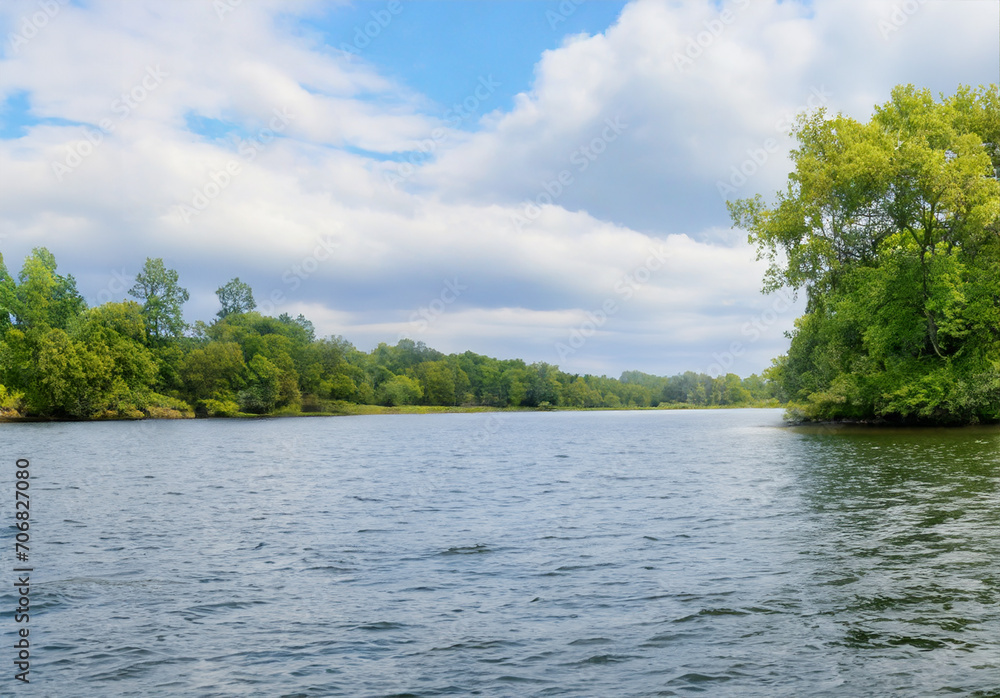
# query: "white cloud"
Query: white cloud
{"points": [[699, 88], [532, 276]]}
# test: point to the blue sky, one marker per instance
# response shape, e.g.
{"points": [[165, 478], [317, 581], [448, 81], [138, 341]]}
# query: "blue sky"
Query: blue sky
{"points": [[441, 48], [539, 180], [16, 116]]}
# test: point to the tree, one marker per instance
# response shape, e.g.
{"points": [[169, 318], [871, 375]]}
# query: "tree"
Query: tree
{"points": [[277, 349], [699, 396], [116, 333], [400, 390], [41, 297], [162, 300], [58, 375], [514, 384], [8, 298], [542, 385], [893, 230], [215, 371], [579, 394], [733, 392], [263, 386], [437, 381], [302, 325], [35, 290], [235, 297], [67, 303]]}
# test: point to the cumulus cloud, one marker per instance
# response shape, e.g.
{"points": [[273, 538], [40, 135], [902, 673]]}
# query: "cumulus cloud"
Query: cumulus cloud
{"points": [[242, 145], [702, 91]]}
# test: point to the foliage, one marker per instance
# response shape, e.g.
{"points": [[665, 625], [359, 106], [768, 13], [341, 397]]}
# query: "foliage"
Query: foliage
{"points": [[399, 390], [166, 407], [218, 408], [235, 297], [893, 230], [217, 369], [263, 386], [11, 403], [163, 297], [39, 297]]}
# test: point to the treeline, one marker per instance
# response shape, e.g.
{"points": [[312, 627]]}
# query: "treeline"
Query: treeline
{"points": [[138, 358]]}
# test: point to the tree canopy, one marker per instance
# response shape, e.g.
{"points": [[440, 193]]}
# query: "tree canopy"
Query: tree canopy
{"points": [[235, 297], [892, 228], [163, 297]]}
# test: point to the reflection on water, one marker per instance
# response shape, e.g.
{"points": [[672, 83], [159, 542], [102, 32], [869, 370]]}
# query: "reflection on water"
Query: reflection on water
{"points": [[911, 547], [537, 554]]}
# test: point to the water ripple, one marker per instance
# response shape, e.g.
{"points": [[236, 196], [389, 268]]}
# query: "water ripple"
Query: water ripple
{"points": [[562, 554]]}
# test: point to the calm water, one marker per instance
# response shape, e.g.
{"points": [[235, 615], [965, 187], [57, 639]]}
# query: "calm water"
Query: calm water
{"points": [[538, 554]]}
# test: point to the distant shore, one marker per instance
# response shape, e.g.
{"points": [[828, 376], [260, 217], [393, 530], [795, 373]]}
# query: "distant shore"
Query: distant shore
{"points": [[350, 409]]}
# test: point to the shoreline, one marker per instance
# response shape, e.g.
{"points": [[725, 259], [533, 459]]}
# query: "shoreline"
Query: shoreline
{"points": [[355, 410], [358, 410]]}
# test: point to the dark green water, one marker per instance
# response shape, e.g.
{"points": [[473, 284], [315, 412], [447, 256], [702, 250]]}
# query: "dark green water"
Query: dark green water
{"points": [[541, 554]]}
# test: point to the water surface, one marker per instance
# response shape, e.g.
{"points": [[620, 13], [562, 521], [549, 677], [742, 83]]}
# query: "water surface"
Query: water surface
{"points": [[529, 554]]}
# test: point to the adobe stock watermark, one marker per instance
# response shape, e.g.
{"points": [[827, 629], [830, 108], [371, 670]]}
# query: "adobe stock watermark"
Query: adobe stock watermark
{"points": [[459, 112], [118, 284], [741, 173], [294, 276], [696, 45], [220, 180], [365, 33], [899, 16], [30, 25], [753, 331], [123, 106], [581, 158], [563, 12], [421, 319], [224, 7], [625, 288]]}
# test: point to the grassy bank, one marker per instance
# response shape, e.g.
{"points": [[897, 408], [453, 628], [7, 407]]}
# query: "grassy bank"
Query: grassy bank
{"points": [[351, 409]]}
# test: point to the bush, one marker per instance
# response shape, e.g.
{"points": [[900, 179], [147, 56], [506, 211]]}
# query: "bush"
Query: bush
{"points": [[11, 403], [218, 408], [165, 407]]}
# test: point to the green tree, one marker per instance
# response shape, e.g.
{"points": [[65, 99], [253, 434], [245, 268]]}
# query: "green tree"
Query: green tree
{"points": [[115, 333], [514, 384], [263, 386], [58, 376], [8, 299], [35, 291], [891, 228], [278, 350], [301, 323], [41, 297], [163, 300], [542, 385], [400, 390], [579, 394], [235, 297], [437, 382], [214, 371], [698, 395], [733, 392]]}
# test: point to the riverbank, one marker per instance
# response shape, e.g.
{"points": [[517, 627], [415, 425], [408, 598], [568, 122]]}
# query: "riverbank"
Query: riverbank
{"points": [[352, 409]]}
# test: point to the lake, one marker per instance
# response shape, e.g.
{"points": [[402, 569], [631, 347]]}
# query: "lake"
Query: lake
{"points": [[507, 554]]}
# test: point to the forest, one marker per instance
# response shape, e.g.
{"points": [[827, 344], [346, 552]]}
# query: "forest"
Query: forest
{"points": [[892, 229], [138, 359]]}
